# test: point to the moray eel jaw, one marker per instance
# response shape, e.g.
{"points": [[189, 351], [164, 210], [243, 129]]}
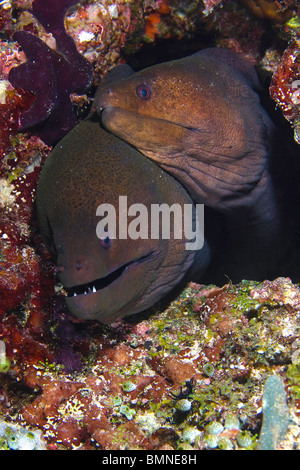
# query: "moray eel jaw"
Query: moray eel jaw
{"points": [[127, 278], [113, 285], [84, 300], [103, 282]]}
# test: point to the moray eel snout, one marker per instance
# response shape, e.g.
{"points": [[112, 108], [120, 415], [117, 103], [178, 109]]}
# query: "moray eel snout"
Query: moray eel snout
{"points": [[107, 277]]}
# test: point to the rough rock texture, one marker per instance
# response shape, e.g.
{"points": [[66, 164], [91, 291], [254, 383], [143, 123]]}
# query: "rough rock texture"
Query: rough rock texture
{"points": [[164, 380]]}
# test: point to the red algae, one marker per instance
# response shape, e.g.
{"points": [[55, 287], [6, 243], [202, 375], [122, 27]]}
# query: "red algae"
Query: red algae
{"points": [[15, 103], [20, 265], [285, 86]]}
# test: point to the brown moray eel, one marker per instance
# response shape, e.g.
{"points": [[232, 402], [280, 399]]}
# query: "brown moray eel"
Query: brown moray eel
{"points": [[198, 117], [201, 120], [108, 278]]}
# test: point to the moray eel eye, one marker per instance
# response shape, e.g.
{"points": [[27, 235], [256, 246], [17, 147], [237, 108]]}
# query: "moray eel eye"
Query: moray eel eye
{"points": [[143, 91], [106, 242]]}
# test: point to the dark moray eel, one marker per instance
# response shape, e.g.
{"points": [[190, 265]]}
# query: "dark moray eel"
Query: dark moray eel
{"points": [[201, 120], [108, 278]]}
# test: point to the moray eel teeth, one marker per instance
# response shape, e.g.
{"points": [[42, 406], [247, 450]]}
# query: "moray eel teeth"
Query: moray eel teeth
{"points": [[98, 284]]}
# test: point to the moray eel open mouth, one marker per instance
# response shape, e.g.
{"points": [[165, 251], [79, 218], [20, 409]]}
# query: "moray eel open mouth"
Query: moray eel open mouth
{"points": [[99, 284]]}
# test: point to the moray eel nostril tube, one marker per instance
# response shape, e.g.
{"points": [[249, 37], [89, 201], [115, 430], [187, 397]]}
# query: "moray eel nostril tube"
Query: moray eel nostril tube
{"points": [[106, 278]]}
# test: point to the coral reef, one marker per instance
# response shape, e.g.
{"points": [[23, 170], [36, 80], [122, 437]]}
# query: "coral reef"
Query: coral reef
{"points": [[145, 385], [190, 376], [285, 86]]}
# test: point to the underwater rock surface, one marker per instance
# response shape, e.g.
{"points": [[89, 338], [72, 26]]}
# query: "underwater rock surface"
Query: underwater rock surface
{"points": [[276, 419], [190, 376], [285, 86]]}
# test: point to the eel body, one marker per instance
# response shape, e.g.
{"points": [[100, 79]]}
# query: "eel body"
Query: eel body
{"points": [[200, 119]]}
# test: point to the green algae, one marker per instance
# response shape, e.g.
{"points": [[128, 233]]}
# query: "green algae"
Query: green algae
{"points": [[244, 439], [208, 370], [294, 23], [224, 443], [293, 376], [16, 437], [128, 386], [242, 302]]}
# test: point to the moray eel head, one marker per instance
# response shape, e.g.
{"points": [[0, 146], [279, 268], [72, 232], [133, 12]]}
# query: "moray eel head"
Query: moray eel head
{"points": [[198, 117], [106, 277]]}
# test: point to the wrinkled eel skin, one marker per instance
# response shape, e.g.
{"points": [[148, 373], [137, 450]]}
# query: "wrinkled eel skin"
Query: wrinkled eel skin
{"points": [[201, 120], [108, 278]]}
